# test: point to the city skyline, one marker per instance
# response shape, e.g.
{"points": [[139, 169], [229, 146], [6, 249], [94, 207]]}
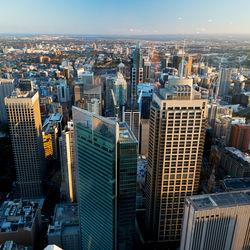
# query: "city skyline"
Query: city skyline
{"points": [[130, 18]]}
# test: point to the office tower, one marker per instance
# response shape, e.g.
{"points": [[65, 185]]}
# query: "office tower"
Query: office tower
{"points": [[6, 87], [86, 78], [164, 63], [189, 65], [63, 92], [176, 61], [94, 106], [146, 71], [118, 85], [136, 75], [217, 221], [25, 85], [68, 172], [224, 80], [240, 137], [66, 72], [176, 140], [132, 118], [122, 69], [47, 145], [85, 92], [26, 137], [53, 126], [120, 90], [145, 95], [106, 159]]}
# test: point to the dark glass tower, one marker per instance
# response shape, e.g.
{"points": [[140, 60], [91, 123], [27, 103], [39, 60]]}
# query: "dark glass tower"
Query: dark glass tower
{"points": [[136, 75], [106, 158]]}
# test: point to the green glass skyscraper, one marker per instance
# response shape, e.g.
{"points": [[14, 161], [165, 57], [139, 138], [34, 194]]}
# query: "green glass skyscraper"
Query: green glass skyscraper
{"points": [[106, 158]]}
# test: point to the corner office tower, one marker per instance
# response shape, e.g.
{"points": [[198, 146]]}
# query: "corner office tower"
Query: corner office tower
{"points": [[106, 159], [136, 75], [26, 137], [176, 139]]}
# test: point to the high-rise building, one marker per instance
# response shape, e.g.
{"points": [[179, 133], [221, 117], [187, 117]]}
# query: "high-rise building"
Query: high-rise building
{"points": [[176, 140], [217, 221], [63, 92], [106, 159], [189, 65], [136, 75], [146, 71], [68, 172], [27, 142], [224, 80], [85, 92], [26, 85], [132, 118], [176, 61], [94, 106], [240, 137], [6, 87], [118, 85]]}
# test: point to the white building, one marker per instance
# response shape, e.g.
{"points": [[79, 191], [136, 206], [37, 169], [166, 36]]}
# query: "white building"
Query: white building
{"points": [[94, 106], [217, 221]]}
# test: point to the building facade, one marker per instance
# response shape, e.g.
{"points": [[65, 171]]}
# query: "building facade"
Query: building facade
{"points": [[27, 142], [106, 159], [240, 137], [6, 87], [176, 140], [136, 75], [217, 221], [68, 172]]}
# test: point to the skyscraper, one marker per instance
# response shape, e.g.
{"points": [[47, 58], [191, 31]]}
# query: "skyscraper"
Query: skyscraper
{"points": [[132, 118], [176, 140], [66, 148], [136, 75], [26, 136], [224, 80], [106, 159], [217, 221], [6, 87]]}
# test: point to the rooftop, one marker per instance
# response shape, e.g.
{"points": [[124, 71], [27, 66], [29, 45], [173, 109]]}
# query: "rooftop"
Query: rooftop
{"points": [[125, 134], [220, 200], [18, 213], [65, 215], [238, 153], [236, 184]]}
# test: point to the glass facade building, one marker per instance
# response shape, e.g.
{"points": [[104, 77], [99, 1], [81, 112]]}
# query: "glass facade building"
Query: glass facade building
{"points": [[106, 158]]}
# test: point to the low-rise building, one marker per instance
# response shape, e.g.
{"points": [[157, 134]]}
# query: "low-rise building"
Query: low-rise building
{"points": [[20, 221], [65, 230]]}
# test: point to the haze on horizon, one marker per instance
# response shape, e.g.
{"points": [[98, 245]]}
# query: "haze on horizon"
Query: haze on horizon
{"points": [[130, 17]]}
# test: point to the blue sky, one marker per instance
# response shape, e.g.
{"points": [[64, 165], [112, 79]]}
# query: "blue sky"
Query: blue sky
{"points": [[125, 16]]}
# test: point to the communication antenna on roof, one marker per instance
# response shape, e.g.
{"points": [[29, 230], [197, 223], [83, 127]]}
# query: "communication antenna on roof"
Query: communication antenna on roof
{"points": [[182, 60]]}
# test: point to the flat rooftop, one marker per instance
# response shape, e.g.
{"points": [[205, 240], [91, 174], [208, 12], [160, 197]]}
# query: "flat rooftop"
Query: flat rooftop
{"points": [[17, 213], [125, 134], [231, 184], [238, 153], [220, 200]]}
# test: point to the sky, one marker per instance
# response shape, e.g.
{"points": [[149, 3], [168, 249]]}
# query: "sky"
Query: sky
{"points": [[125, 17]]}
